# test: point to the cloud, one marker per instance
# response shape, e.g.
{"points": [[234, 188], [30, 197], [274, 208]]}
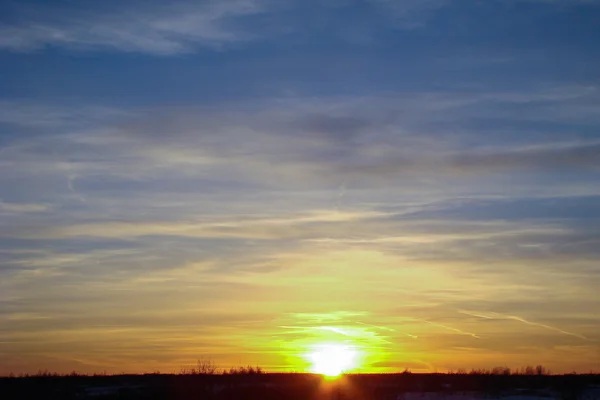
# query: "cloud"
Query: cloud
{"points": [[265, 228], [18, 208], [180, 27], [515, 318], [133, 26], [192, 209], [322, 143], [585, 155], [186, 26], [459, 331], [35, 116], [294, 154]]}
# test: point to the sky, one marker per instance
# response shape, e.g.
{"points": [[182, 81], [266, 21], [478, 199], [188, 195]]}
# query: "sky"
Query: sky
{"points": [[245, 180]]}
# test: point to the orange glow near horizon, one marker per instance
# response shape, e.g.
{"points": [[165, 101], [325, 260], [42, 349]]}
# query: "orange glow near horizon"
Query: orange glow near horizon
{"points": [[323, 313]]}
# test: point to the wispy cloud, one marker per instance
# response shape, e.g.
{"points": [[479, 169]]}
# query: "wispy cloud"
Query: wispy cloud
{"points": [[368, 199], [330, 142], [494, 315], [450, 328], [22, 207], [178, 27], [186, 26]]}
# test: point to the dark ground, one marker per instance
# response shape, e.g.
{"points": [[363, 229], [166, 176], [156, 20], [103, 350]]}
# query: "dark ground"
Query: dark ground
{"points": [[292, 386]]}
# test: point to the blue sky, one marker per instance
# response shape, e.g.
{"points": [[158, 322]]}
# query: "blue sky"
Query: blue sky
{"points": [[228, 178]]}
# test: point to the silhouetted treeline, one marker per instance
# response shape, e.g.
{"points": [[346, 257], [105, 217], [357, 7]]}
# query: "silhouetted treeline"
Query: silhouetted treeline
{"points": [[286, 386]]}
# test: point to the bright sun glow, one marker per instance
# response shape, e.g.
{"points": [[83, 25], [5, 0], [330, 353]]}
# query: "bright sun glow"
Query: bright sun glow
{"points": [[332, 359]]}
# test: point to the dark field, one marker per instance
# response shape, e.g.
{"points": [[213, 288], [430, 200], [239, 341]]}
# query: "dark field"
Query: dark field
{"points": [[304, 387]]}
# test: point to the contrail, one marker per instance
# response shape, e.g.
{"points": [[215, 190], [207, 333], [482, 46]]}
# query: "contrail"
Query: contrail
{"points": [[70, 181], [495, 315], [450, 328], [341, 192], [340, 331], [333, 329], [384, 328]]}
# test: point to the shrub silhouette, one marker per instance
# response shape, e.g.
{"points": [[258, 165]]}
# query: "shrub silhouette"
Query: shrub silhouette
{"points": [[249, 370], [203, 367]]}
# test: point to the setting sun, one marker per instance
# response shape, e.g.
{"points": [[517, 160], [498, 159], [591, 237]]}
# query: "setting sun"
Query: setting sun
{"points": [[332, 359]]}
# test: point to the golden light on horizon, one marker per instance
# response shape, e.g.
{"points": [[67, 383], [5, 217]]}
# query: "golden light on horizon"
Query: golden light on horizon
{"points": [[331, 360]]}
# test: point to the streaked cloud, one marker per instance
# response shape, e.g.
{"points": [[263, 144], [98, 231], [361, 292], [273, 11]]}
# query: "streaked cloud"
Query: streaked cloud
{"points": [[21, 207], [172, 28], [185, 26], [515, 318]]}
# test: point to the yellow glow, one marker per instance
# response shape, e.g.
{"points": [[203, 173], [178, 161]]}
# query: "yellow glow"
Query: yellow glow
{"points": [[332, 359]]}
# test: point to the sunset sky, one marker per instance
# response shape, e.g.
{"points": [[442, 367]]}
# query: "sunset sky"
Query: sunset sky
{"points": [[247, 180]]}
